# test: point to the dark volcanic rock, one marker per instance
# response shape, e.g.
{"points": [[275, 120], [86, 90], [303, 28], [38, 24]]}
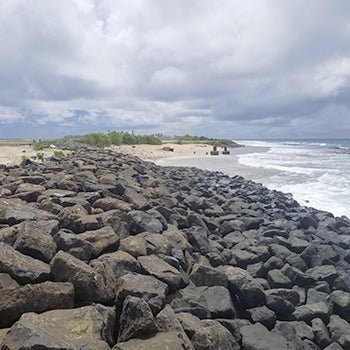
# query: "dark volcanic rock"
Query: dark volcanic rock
{"points": [[89, 285], [34, 298], [140, 221], [148, 288], [22, 268], [248, 291], [136, 319], [89, 327]]}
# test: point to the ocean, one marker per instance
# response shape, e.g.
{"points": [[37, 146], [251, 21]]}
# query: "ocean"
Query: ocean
{"points": [[315, 172]]}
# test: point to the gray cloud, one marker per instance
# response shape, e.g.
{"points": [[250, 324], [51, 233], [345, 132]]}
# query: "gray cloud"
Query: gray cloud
{"points": [[228, 68]]}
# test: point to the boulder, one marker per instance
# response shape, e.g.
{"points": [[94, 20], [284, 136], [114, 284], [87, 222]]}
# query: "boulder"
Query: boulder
{"points": [[22, 268], [140, 221], [136, 319], [278, 280], [219, 302], [340, 331], [164, 340], [110, 203], [89, 327], [204, 275], [6, 281], [321, 333], [102, 240], [326, 273], [263, 315], [213, 336], [157, 267], [35, 240], [37, 298], [148, 288], [191, 300], [89, 285], [121, 262], [134, 245], [257, 337], [248, 291], [168, 322], [73, 244]]}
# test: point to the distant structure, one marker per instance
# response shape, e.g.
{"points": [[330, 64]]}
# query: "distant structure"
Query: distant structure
{"points": [[215, 151], [225, 151]]}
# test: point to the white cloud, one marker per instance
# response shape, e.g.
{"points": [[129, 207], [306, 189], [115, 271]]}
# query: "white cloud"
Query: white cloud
{"points": [[174, 64]]}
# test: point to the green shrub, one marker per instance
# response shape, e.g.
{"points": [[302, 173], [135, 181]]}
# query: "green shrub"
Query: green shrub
{"points": [[24, 157], [97, 139], [38, 146], [40, 155], [58, 154]]}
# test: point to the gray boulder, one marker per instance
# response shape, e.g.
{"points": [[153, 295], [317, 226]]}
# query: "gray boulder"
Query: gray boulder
{"points": [[89, 285], [136, 319], [157, 267], [257, 337], [148, 288], [164, 340], [37, 298], [248, 291], [23, 268], [89, 327], [140, 221], [213, 336]]}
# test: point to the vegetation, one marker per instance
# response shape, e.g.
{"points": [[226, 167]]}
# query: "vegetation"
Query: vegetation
{"points": [[119, 138], [40, 155], [38, 146], [58, 154]]}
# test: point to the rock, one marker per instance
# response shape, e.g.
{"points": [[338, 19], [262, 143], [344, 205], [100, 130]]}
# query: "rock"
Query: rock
{"points": [[333, 346], [248, 291], [167, 340], [190, 323], [136, 319], [35, 240], [140, 221], [214, 336], [198, 238], [203, 275], [289, 295], [321, 333], [37, 298], [121, 262], [6, 281], [341, 304], [299, 329], [326, 273], [257, 337], [168, 322], [135, 246], [278, 280], [157, 267], [157, 243], [190, 299], [219, 302], [12, 215], [89, 285], [73, 244], [89, 327], [22, 268], [280, 306], [148, 288], [110, 203], [310, 311], [264, 316], [340, 331], [102, 240]]}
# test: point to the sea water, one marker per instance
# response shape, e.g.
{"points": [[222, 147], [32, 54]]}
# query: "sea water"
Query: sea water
{"points": [[315, 172]]}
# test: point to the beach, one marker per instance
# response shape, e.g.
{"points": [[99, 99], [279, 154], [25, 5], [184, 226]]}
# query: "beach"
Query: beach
{"points": [[13, 155]]}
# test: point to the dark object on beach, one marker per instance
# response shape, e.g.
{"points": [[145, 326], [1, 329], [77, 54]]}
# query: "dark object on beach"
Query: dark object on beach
{"points": [[215, 151], [168, 149], [225, 151]]}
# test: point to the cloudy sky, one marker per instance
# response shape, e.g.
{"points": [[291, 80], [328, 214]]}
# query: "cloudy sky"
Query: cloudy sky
{"points": [[225, 68]]}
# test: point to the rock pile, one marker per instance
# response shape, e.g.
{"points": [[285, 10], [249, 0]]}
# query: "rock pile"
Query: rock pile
{"points": [[101, 251]]}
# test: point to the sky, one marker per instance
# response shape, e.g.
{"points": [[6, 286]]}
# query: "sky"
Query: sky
{"points": [[225, 68]]}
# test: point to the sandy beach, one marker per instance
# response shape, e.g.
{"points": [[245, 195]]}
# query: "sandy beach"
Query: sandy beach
{"points": [[157, 152], [13, 155]]}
